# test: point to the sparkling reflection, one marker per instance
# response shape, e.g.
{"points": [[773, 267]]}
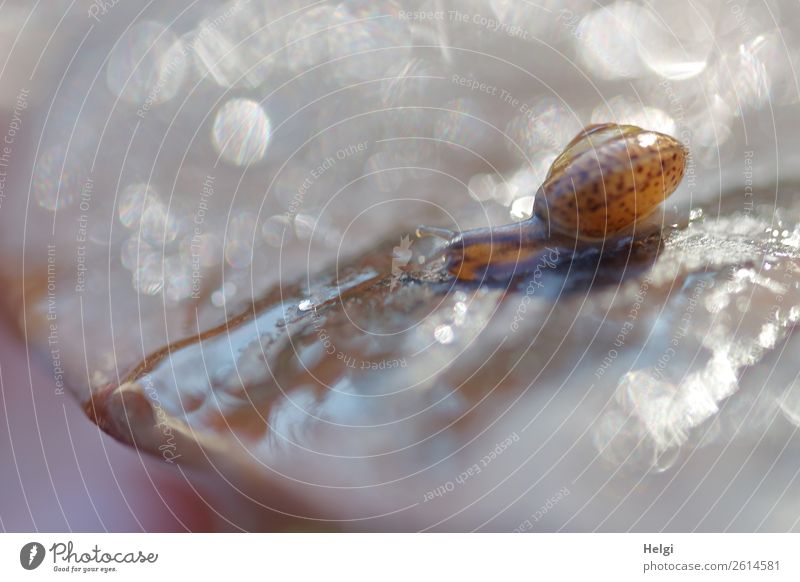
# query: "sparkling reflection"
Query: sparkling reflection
{"points": [[133, 201], [242, 132], [608, 38], [374, 38], [675, 38], [148, 65], [309, 40], [239, 43]]}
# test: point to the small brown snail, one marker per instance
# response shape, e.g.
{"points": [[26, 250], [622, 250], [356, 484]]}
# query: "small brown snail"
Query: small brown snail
{"points": [[609, 177]]}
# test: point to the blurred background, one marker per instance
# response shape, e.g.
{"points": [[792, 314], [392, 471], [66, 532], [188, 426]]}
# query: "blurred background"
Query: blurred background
{"points": [[165, 165]]}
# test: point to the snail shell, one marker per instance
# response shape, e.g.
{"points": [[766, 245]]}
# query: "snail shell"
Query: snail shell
{"points": [[607, 178]]}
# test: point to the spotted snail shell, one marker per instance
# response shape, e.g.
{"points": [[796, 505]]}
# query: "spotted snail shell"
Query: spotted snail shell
{"points": [[608, 177]]}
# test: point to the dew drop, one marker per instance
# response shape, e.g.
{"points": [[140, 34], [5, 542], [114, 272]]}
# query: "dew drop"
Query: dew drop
{"points": [[241, 132]]}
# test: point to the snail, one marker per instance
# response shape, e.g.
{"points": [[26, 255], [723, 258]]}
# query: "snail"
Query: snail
{"points": [[607, 178]]}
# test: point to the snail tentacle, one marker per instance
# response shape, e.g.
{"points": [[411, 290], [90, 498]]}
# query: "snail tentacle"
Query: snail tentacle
{"points": [[444, 234]]}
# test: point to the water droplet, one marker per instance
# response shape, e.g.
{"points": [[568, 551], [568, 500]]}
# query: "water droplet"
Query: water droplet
{"points": [[304, 226], [522, 208], [444, 334], [241, 132], [148, 277], [132, 250], [157, 225], [132, 203]]}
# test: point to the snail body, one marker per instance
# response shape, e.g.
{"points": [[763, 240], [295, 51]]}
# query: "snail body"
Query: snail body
{"points": [[607, 179]]}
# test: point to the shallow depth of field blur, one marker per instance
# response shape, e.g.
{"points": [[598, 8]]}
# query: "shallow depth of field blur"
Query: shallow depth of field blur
{"points": [[167, 166]]}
